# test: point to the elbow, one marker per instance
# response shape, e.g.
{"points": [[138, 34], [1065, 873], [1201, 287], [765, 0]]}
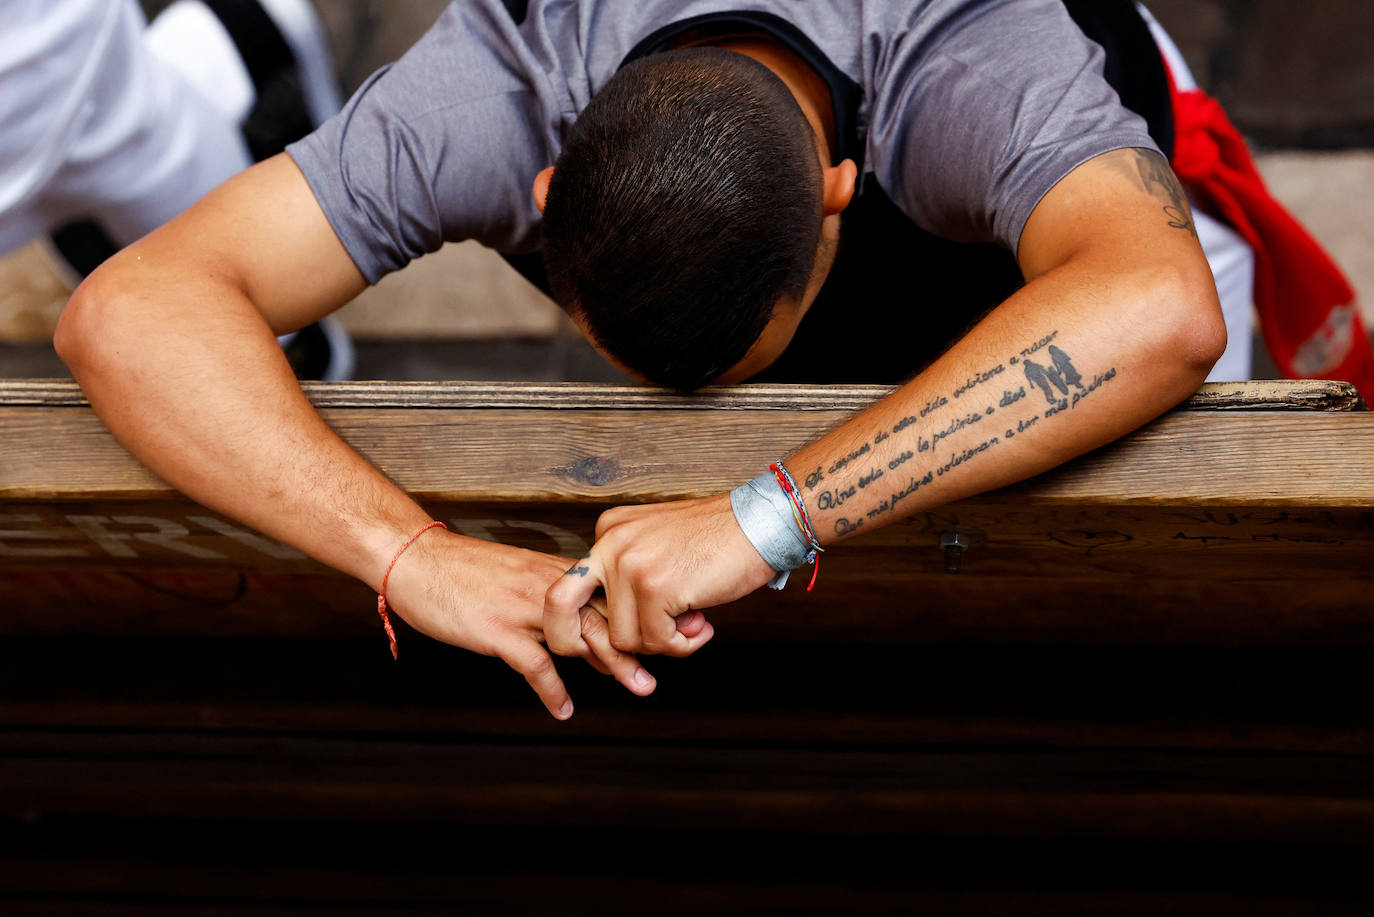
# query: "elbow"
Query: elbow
{"points": [[1190, 331], [1201, 335], [74, 338], [87, 333]]}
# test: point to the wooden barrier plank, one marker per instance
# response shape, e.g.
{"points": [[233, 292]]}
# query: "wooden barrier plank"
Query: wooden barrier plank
{"points": [[1138, 747], [227, 869], [1078, 700], [1006, 539], [534, 455], [948, 794], [1267, 395], [1208, 526], [1035, 573]]}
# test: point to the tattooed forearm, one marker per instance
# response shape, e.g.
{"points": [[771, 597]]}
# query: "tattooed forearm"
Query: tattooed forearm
{"points": [[1158, 180], [1047, 369], [579, 568]]}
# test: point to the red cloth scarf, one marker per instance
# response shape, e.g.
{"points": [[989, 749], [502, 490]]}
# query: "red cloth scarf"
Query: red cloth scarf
{"points": [[1307, 310]]}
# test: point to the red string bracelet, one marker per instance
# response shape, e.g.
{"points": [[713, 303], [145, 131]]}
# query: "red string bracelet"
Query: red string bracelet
{"points": [[802, 518], [381, 596]]}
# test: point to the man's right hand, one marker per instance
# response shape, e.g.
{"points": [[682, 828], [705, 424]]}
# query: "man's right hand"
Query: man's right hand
{"points": [[489, 598]]}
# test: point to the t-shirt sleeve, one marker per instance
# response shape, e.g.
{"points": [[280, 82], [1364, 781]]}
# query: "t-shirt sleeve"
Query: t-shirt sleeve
{"points": [[995, 103], [441, 146]]}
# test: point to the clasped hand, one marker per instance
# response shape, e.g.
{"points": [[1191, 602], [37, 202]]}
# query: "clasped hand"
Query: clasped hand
{"points": [[656, 563], [489, 598]]}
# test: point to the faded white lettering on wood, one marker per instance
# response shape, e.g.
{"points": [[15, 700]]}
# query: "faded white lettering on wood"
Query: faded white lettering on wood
{"points": [[32, 534]]}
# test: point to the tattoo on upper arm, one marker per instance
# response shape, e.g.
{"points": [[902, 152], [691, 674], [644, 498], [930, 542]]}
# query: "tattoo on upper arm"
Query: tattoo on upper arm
{"points": [[1158, 180]]}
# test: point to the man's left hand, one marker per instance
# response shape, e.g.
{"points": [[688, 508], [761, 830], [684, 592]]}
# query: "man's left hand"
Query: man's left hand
{"points": [[658, 563]]}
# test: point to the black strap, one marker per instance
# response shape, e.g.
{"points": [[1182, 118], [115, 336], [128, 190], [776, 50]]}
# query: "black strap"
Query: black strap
{"points": [[518, 9], [260, 43], [1134, 66]]}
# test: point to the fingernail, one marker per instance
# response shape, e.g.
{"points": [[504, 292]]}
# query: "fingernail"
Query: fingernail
{"points": [[643, 679], [565, 711]]}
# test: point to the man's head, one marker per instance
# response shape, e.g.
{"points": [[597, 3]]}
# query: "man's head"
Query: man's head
{"points": [[685, 213]]}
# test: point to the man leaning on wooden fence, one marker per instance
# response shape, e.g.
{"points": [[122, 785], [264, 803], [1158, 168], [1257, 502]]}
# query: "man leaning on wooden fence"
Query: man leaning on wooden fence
{"points": [[720, 194]]}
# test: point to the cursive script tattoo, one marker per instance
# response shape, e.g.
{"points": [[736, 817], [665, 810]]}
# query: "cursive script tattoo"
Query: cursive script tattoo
{"points": [[978, 379], [1040, 344], [829, 499], [846, 526], [844, 462], [944, 426], [958, 459]]}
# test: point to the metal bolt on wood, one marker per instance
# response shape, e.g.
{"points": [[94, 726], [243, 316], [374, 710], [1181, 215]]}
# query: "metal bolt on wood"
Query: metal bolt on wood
{"points": [[954, 544]]}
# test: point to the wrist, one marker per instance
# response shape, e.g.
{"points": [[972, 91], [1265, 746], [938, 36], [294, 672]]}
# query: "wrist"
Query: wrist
{"points": [[413, 569], [382, 599], [379, 541], [769, 511]]}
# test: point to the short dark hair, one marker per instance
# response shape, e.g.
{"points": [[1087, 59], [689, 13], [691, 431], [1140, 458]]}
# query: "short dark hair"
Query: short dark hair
{"points": [[685, 203]]}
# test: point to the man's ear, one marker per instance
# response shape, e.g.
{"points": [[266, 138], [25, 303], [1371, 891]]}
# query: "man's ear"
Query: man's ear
{"points": [[837, 184], [541, 187]]}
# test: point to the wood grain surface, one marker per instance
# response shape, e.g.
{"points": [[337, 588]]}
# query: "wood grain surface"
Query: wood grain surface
{"points": [[1161, 644], [1186, 458], [1269, 395], [1210, 527]]}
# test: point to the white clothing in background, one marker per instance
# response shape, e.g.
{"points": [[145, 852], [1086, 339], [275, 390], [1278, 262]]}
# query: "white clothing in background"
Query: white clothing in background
{"points": [[93, 124], [1231, 258]]}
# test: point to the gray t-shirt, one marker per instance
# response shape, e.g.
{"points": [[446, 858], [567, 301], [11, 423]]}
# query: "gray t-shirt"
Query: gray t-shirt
{"points": [[966, 112]]}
